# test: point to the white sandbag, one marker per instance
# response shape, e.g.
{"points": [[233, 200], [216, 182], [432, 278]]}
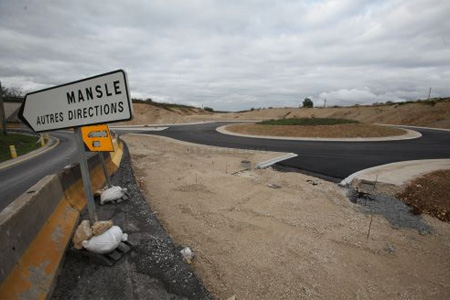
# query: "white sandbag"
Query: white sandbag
{"points": [[113, 194], [105, 242]]}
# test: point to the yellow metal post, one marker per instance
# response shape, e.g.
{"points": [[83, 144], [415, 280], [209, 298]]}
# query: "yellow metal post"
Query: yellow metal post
{"points": [[12, 149], [42, 141]]}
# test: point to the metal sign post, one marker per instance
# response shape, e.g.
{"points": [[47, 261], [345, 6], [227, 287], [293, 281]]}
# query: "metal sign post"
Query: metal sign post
{"points": [[95, 100], [86, 176], [2, 111], [97, 138]]}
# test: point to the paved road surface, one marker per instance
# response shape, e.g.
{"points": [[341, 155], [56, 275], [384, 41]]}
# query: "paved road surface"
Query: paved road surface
{"points": [[16, 179], [330, 160]]}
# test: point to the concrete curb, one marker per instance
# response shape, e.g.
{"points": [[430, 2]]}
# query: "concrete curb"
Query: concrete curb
{"points": [[160, 125], [152, 128], [413, 168], [53, 142], [410, 134], [275, 160], [38, 227], [416, 127]]}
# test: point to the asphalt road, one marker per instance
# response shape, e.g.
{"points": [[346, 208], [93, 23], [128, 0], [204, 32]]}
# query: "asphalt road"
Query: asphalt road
{"points": [[16, 179], [330, 160]]}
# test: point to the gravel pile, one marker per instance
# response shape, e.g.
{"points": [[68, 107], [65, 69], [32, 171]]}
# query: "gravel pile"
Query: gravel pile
{"points": [[397, 213]]}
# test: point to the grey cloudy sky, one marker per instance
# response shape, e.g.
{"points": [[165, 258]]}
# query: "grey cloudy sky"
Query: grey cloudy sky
{"points": [[232, 54]]}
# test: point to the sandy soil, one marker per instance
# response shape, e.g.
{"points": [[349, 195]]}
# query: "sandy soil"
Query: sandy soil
{"points": [[323, 131], [261, 234], [149, 114], [411, 114]]}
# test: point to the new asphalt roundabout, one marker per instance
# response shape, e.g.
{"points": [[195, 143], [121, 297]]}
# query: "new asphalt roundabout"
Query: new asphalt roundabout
{"points": [[331, 160]]}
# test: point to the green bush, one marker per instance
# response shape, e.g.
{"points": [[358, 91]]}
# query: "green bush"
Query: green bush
{"points": [[308, 121], [308, 103], [429, 102]]}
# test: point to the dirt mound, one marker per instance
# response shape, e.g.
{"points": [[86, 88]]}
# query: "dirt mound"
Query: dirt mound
{"points": [[416, 114], [160, 114], [429, 194], [430, 114]]}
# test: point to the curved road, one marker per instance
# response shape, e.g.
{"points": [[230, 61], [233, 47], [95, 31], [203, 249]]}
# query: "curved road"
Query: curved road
{"points": [[330, 160], [16, 179]]}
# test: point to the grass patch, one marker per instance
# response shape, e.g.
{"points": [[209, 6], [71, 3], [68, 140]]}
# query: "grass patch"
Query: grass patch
{"points": [[308, 121], [23, 144]]}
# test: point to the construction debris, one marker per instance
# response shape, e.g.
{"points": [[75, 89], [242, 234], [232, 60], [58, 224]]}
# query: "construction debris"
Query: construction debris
{"points": [[274, 186], [187, 254], [100, 227], [83, 233], [313, 182]]}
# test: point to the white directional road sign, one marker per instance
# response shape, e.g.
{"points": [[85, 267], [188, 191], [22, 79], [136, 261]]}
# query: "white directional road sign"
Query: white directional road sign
{"points": [[99, 99]]}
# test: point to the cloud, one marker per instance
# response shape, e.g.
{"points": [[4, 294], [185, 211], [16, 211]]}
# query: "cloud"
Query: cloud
{"points": [[357, 96], [233, 55]]}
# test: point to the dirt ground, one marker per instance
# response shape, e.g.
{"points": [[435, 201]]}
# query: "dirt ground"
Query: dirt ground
{"points": [[150, 114], [415, 114], [323, 131], [430, 194], [262, 234]]}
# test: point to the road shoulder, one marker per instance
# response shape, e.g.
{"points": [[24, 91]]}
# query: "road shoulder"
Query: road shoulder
{"points": [[154, 269]]}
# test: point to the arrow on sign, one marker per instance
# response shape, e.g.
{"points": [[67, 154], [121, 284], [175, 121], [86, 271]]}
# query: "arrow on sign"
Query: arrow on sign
{"points": [[102, 133]]}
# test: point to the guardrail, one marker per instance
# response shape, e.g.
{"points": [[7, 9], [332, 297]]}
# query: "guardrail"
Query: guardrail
{"points": [[36, 228]]}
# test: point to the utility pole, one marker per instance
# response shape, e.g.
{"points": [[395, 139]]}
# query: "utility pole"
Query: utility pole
{"points": [[429, 94], [2, 111]]}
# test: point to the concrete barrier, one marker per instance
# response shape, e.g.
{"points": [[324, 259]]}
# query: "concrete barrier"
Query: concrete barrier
{"points": [[36, 228], [23, 218]]}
